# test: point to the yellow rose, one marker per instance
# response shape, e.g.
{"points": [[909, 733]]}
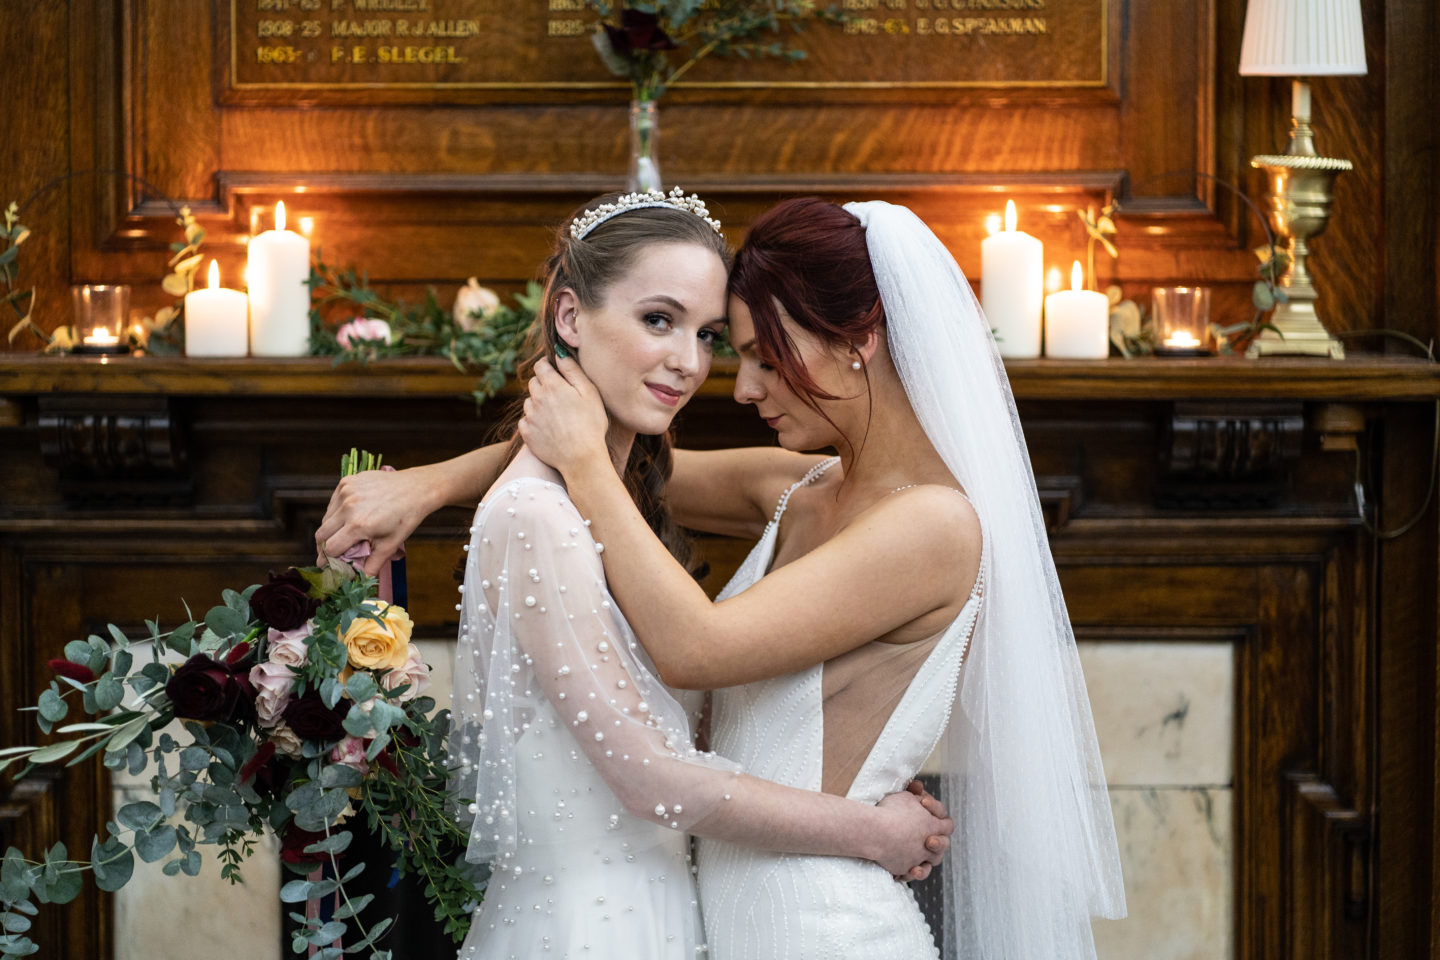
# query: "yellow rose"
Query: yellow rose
{"points": [[376, 646]]}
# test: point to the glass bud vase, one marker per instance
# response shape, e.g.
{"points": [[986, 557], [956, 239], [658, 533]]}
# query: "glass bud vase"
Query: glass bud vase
{"points": [[644, 146]]}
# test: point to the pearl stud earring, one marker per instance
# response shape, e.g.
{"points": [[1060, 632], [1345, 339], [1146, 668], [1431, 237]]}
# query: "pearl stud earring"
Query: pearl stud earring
{"points": [[854, 364]]}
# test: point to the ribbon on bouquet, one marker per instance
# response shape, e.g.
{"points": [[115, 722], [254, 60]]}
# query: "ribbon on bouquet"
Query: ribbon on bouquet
{"points": [[392, 589]]}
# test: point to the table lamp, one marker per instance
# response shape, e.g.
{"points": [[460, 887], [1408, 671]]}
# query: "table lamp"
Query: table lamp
{"points": [[1300, 38]]}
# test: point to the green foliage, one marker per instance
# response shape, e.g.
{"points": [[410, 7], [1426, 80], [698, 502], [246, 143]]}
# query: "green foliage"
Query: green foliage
{"points": [[488, 341], [21, 301]]}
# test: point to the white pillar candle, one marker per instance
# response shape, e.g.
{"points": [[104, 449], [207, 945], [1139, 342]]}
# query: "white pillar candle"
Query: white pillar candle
{"points": [[278, 267], [1077, 322], [215, 320], [1012, 283]]}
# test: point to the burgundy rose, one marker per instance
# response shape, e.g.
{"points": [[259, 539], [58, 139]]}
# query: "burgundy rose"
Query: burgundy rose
{"points": [[638, 31], [75, 671], [285, 602], [312, 720], [203, 689], [293, 844]]}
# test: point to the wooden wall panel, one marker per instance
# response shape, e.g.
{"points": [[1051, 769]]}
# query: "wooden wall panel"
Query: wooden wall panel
{"points": [[144, 92]]}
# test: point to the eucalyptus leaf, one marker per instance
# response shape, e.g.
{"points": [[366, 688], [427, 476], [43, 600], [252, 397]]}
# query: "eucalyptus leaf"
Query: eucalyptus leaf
{"points": [[194, 758], [55, 751], [113, 863], [181, 639], [330, 692], [361, 687], [1262, 296], [18, 946], [125, 736], [109, 692], [357, 723], [330, 931], [139, 815], [52, 706], [227, 622], [347, 910], [13, 882], [64, 886], [340, 775], [155, 844]]}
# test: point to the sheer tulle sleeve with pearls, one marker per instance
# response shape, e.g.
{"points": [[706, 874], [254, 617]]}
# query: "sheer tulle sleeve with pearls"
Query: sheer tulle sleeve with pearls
{"points": [[540, 640]]}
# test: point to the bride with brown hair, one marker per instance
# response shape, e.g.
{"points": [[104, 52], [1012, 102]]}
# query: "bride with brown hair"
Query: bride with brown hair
{"points": [[578, 767]]}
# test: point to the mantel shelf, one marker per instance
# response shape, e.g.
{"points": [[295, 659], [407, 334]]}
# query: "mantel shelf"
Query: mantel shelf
{"points": [[1365, 378]]}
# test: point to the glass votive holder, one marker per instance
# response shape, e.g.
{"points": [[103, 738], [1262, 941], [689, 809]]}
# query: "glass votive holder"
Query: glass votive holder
{"points": [[1181, 319], [102, 313]]}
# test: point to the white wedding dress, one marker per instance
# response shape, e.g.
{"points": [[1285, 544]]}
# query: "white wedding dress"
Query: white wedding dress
{"points": [[581, 762], [760, 905]]}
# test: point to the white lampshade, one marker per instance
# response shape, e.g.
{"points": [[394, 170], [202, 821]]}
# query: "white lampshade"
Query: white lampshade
{"points": [[1303, 38]]}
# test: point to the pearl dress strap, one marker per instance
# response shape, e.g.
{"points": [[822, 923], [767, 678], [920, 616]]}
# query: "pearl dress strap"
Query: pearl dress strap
{"points": [[810, 477]]}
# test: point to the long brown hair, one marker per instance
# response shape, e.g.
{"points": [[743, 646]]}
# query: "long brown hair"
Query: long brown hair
{"points": [[590, 267]]}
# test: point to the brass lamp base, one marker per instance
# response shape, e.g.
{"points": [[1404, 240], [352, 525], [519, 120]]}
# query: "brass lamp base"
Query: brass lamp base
{"points": [[1301, 334], [1301, 184]]}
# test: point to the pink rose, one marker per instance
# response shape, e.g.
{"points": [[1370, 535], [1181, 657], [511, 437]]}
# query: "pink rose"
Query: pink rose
{"points": [[273, 683], [351, 753], [413, 671], [363, 329], [288, 646]]}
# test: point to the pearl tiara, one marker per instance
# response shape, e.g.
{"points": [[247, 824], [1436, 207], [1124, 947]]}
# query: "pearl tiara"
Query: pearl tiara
{"points": [[677, 200]]}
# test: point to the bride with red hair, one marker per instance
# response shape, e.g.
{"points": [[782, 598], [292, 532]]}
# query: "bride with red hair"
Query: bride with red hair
{"points": [[901, 602]]}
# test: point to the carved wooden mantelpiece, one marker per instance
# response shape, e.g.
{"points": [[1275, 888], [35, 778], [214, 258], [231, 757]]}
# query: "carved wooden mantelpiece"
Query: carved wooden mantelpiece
{"points": [[1210, 500]]}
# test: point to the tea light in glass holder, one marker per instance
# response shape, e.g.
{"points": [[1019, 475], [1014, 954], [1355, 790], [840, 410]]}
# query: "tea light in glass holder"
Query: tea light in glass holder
{"points": [[1182, 321], [102, 312]]}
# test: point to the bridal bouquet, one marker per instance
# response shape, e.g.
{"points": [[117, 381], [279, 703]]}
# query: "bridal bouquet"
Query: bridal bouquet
{"points": [[300, 708]]}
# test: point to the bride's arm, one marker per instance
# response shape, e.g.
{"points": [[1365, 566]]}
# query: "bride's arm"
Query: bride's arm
{"points": [[385, 507], [535, 590], [732, 492], [875, 575]]}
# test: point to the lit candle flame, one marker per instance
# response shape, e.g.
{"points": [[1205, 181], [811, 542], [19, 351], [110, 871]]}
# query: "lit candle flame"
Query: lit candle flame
{"points": [[992, 224], [1052, 280], [280, 215], [214, 275], [1010, 215], [1077, 277], [307, 225], [1182, 338], [102, 336]]}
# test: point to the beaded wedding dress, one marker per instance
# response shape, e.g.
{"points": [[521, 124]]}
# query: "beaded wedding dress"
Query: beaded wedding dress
{"points": [[870, 717], [580, 762]]}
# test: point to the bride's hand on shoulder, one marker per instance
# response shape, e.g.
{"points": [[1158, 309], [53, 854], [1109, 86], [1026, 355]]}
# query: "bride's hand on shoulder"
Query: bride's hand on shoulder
{"points": [[565, 421], [381, 506], [916, 834]]}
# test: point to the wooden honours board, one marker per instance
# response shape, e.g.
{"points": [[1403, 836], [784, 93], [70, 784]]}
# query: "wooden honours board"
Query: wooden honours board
{"points": [[511, 47]]}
